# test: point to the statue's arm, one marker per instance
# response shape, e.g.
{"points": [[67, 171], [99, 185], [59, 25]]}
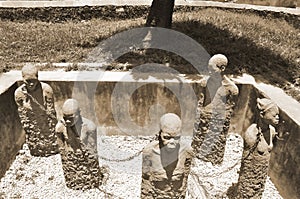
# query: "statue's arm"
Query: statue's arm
{"points": [[24, 106], [146, 184], [49, 101], [89, 137]]}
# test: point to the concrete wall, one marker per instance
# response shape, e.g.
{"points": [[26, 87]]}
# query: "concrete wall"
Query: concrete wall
{"points": [[285, 160], [130, 108], [11, 133]]}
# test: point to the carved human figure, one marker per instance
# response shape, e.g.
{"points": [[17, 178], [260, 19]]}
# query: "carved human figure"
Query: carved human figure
{"points": [[213, 113], [77, 138], [37, 114], [258, 143], [166, 162]]}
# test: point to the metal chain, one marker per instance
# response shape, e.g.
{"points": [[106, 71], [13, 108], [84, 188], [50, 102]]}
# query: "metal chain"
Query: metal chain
{"points": [[121, 160], [125, 159], [41, 106], [110, 195], [201, 184]]}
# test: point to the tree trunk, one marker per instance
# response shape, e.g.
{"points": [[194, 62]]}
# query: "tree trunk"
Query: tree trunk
{"points": [[160, 14]]}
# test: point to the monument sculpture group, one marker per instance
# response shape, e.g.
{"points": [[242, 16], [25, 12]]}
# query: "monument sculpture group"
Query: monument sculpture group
{"points": [[166, 161]]}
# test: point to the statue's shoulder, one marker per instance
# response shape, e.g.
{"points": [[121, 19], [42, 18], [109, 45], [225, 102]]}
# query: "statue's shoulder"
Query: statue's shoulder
{"points": [[185, 147], [88, 125], [250, 135], [152, 147], [47, 89], [272, 130], [20, 92], [230, 86], [203, 81], [60, 127]]}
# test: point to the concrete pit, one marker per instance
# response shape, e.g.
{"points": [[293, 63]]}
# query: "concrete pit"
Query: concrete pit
{"points": [[122, 135]]}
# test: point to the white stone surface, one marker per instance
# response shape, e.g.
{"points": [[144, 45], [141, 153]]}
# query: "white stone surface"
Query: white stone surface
{"points": [[9, 78], [36, 177]]}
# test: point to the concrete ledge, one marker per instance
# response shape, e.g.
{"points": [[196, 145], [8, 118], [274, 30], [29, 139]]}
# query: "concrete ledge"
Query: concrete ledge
{"points": [[69, 3], [285, 102], [9, 78]]}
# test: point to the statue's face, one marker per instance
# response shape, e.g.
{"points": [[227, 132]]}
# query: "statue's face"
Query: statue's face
{"points": [[217, 68], [31, 84], [271, 116], [71, 119], [170, 140]]}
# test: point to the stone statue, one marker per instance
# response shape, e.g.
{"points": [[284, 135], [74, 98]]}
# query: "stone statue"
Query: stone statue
{"points": [[166, 162], [36, 110], [77, 139], [258, 143], [213, 113]]}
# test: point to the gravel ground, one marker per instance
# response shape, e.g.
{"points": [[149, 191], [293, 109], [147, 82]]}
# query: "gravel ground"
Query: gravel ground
{"points": [[36, 177]]}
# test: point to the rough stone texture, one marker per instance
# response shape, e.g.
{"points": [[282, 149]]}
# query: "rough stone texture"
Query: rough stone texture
{"points": [[252, 177], [80, 163], [212, 125], [39, 177], [81, 170], [212, 139], [255, 160], [38, 119], [284, 169]]}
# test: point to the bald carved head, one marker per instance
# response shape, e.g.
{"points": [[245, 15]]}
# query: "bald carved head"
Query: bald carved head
{"points": [[29, 71], [170, 122], [217, 63], [30, 77], [170, 125], [71, 112], [70, 107]]}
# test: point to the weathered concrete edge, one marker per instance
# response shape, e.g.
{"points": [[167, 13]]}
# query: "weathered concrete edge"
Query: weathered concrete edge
{"points": [[285, 102], [9, 78], [77, 3]]}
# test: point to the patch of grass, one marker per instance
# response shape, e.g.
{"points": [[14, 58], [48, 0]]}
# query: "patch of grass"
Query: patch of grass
{"points": [[262, 44], [253, 43], [36, 41]]}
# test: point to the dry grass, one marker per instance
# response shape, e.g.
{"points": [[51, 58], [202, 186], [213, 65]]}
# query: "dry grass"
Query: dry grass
{"points": [[260, 44], [254, 44], [36, 41]]}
